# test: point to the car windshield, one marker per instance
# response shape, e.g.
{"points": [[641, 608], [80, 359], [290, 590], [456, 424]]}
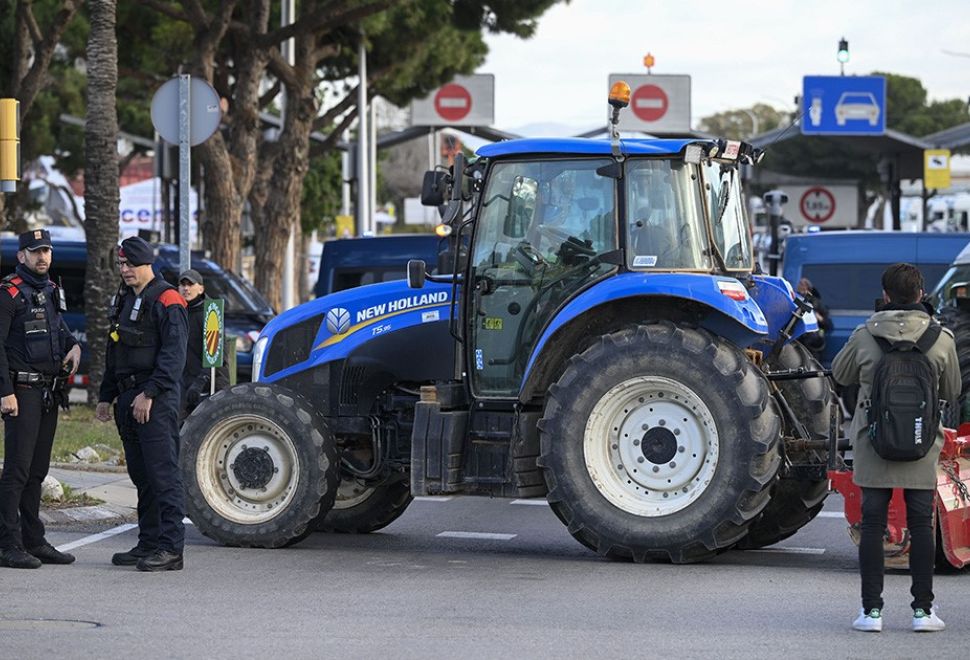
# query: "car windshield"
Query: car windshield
{"points": [[857, 98], [665, 217]]}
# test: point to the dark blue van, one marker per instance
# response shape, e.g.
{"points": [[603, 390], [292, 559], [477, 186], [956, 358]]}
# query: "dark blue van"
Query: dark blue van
{"points": [[846, 267], [351, 262], [245, 309]]}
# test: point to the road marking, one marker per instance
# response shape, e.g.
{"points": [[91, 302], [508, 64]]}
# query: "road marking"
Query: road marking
{"points": [[477, 535], [535, 502], [831, 514], [424, 498], [792, 551], [94, 538]]}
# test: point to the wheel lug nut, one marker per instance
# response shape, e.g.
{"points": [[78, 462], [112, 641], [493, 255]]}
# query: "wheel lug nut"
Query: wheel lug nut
{"points": [[663, 422], [681, 449], [640, 459], [656, 468], [676, 431], [644, 426], [636, 443], [673, 464]]}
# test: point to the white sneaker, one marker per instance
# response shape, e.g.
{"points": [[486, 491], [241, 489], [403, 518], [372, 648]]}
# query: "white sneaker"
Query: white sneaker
{"points": [[924, 621], [871, 621]]}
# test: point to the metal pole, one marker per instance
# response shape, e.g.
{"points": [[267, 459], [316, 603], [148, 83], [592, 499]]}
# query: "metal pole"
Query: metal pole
{"points": [[289, 261], [185, 163], [372, 169], [363, 178]]}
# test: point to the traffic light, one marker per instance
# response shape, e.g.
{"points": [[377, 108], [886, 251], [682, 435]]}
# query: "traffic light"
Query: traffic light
{"points": [[843, 55], [9, 145]]}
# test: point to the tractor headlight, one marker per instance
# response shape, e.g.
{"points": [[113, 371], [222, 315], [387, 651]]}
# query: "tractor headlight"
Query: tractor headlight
{"points": [[258, 352]]}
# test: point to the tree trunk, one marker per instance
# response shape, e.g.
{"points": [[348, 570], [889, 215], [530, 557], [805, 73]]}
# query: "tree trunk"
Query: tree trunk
{"points": [[282, 210], [100, 183]]}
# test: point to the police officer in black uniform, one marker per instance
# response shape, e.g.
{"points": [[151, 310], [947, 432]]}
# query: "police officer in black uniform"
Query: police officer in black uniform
{"points": [[145, 358], [37, 353]]}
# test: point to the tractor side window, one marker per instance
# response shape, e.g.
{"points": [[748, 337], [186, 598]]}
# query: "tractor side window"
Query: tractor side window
{"points": [[665, 211], [728, 220]]}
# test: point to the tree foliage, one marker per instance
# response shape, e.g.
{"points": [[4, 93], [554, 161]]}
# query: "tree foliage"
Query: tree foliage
{"points": [[744, 123]]}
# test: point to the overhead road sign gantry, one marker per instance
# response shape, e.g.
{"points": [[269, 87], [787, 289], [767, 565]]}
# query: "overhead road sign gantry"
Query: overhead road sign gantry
{"points": [[843, 105]]}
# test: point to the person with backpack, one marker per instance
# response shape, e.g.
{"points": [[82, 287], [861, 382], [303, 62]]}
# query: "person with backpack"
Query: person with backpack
{"points": [[906, 367]]}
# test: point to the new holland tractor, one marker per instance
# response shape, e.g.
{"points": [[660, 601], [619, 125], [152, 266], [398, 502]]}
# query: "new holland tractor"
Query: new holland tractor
{"points": [[595, 333]]}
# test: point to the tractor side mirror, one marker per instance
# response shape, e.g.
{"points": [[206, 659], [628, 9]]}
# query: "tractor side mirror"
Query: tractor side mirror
{"points": [[433, 188], [417, 271]]}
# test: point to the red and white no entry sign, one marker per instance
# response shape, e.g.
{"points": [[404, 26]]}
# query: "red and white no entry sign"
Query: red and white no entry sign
{"points": [[649, 102], [452, 102], [817, 205]]}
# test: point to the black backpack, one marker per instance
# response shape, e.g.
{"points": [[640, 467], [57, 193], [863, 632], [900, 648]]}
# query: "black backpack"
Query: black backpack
{"points": [[904, 407]]}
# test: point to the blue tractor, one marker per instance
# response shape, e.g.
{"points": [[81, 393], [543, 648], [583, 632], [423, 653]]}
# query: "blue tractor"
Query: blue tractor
{"points": [[595, 334]]}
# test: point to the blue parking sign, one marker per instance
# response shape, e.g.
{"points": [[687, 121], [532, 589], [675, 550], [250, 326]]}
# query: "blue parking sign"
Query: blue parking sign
{"points": [[843, 105]]}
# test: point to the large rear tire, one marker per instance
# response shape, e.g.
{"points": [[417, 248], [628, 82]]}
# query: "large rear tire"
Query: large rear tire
{"points": [[258, 464], [796, 502], [361, 508], [659, 442]]}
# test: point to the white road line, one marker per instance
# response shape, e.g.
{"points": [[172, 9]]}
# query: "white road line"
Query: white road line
{"points": [[792, 551], [831, 514], [94, 538], [423, 498], [535, 502], [477, 535]]}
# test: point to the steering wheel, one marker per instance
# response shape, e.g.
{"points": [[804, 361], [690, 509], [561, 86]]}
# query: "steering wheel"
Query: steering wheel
{"points": [[528, 257]]}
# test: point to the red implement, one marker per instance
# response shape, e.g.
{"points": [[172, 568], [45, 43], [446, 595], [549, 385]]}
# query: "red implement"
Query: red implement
{"points": [[952, 505]]}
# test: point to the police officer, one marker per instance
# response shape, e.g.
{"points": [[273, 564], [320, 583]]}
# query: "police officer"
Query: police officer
{"points": [[144, 362], [37, 352], [195, 379]]}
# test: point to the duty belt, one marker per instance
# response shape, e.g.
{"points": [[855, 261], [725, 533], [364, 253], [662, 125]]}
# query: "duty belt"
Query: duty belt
{"points": [[37, 379], [131, 382]]}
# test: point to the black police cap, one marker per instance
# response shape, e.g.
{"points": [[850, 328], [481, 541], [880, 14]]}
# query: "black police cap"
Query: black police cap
{"points": [[34, 239], [136, 251]]}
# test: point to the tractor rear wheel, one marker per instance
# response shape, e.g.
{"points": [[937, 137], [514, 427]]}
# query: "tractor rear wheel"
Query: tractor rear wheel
{"points": [[259, 464], [659, 442], [795, 502], [361, 508]]}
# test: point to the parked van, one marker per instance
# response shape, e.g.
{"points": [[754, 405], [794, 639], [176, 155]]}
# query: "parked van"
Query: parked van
{"points": [[351, 262], [846, 268], [246, 311]]}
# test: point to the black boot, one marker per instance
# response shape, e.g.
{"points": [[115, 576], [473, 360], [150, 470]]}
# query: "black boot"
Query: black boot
{"points": [[131, 557], [161, 560], [48, 554], [18, 558]]}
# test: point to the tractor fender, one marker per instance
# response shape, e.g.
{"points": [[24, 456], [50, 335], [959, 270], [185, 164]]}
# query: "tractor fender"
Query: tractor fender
{"points": [[739, 321], [339, 325], [776, 299]]}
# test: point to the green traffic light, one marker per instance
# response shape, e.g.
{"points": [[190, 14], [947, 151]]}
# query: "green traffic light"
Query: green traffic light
{"points": [[843, 55]]}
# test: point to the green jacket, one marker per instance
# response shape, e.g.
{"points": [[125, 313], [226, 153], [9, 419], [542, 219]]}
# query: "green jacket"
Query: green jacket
{"points": [[856, 363]]}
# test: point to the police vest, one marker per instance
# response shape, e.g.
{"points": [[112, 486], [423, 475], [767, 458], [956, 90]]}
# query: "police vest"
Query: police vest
{"points": [[37, 324], [135, 329]]}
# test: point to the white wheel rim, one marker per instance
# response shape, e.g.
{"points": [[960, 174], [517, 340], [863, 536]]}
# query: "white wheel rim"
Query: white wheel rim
{"points": [[651, 446], [219, 474], [350, 493]]}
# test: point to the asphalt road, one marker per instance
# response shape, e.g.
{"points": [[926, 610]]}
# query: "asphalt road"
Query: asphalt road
{"points": [[428, 587]]}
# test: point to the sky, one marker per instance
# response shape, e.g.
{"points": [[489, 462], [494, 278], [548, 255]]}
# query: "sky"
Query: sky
{"points": [[737, 53]]}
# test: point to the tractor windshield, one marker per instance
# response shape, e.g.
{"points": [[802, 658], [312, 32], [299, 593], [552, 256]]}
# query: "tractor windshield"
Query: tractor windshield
{"points": [[666, 217], [542, 229], [728, 221]]}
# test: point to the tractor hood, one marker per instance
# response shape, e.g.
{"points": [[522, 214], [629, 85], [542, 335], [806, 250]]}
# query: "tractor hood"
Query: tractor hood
{"points": [[331, 327]]}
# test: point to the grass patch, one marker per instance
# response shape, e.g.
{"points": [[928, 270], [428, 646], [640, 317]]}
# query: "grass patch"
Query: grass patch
{"points": [[77, 428], [71, 499]]}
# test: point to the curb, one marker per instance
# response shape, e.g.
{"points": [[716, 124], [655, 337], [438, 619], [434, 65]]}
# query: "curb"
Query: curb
{"points": [[91, 467], [102, 513]]}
